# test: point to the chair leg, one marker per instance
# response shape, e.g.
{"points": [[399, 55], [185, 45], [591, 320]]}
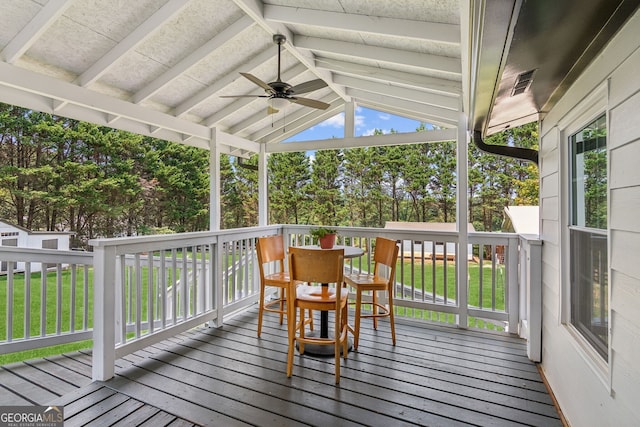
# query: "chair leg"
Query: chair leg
{"points": [[310, 320], [291, 323], [374, 309], [391, 318], [344, 329], [337, 335], [300, 343], [282, 303], [356, 329], [260, 309]]}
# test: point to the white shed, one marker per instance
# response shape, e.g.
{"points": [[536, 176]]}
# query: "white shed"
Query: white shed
{"points": [[16, 236], [427, 246]]}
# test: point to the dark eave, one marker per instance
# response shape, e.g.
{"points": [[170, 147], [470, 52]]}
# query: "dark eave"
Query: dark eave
{"points": [[531, 51]]}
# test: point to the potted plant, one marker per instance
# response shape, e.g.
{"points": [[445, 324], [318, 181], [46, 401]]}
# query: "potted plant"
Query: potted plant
{"points": [[326, 236]]}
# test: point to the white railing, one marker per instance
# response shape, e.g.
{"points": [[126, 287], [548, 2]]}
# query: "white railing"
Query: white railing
{"points": [[426, 281], [60, 279], [146, 289]]}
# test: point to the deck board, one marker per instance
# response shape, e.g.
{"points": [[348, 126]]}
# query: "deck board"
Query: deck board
{"points": [[435, 375]]}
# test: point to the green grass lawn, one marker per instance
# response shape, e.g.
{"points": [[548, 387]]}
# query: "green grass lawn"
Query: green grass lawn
{"points": [[479, 296]]}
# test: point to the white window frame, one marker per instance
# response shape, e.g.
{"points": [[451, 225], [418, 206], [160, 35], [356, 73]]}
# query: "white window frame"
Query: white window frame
{"points": [[594, 105]]}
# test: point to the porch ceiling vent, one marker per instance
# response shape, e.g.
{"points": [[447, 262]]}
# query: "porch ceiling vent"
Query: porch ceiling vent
{"points": [[523, 81]]}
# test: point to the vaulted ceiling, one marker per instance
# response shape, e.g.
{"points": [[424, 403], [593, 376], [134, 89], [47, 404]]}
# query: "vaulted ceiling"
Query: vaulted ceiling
{"points": [[163, 67]]}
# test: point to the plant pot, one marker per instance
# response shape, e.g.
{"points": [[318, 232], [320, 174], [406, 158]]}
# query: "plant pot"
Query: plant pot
{"points": [[327, 241]]}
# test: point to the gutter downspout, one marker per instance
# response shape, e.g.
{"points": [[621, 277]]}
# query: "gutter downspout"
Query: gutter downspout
{"points": [[503, 150]]}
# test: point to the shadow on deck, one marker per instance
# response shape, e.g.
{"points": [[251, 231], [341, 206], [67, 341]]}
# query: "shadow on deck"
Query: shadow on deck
{"points": [[225, 377]]}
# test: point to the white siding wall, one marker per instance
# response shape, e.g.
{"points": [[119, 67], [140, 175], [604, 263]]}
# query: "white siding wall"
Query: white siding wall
{"points": [[591, 393]]}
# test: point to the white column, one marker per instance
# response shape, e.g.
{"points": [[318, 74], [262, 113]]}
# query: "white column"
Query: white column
{"points": [[214, 182], [462, 219], [263, 183], [349, 119], [104, 322]]}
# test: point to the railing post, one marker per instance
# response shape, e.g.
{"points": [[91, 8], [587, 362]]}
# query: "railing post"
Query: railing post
{"points": [[104, 352], [218, 282], [513, 293], [531, 274]]}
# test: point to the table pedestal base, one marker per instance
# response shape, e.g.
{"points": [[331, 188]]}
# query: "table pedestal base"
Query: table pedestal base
{"points": [[321, 350]]}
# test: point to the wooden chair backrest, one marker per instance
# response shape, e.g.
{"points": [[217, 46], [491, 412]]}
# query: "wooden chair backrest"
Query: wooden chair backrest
{"points": [[316, 266], [386, 253], [270, 249]]}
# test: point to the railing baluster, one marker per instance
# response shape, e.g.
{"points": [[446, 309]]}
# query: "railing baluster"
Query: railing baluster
{"points": [[43, 300], [493, 277], [481, 276], [184, 291], [162, 283], [73, 297], [27, 302], [58, 299], [150, 293], [138, 294], [10, 303], [434, 284]]}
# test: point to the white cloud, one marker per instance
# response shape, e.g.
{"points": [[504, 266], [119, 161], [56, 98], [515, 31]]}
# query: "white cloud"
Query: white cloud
{"points": [[384, 116], [336, 121]]}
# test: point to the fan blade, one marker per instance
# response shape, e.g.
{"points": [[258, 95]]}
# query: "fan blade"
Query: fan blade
{"points": [[244, 96], [257, 81], [310, 103], [309, 86]]}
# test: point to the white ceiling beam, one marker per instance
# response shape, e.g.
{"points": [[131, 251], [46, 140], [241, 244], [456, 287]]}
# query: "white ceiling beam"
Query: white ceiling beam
{"points": [[381, 54], [221, 84], [415, 95], [284, 120], [255, 9], [427, 111], [193, 59], [40, 23], [433, 84], [31, 82], [434, 31], [230, 109], [439, 135], [236, 141], [137, 36], [291, 128]]}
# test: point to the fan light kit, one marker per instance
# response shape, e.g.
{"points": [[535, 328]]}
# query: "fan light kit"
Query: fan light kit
{"points": [[281, 93]]}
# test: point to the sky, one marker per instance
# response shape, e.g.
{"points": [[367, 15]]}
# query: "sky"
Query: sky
{"points": [[366, 121]]}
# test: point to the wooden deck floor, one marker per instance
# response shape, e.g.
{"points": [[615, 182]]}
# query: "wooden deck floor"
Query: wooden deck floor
{"points": [[435, 376]]}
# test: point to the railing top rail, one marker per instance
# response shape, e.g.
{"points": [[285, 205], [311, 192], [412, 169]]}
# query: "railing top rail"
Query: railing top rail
{"points": [[178, 240], [19, 254]]}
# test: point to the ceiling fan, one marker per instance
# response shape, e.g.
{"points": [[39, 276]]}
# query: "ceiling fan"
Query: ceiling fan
{"points": [[280, 92]]}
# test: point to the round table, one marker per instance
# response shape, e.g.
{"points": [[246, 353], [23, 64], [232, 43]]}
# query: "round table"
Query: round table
{"points": [[325, 350]]}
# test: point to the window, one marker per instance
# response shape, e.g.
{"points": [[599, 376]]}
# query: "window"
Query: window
{"points": [[588, 235]]}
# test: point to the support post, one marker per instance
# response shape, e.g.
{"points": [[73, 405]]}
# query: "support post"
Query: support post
{"points": [[104, 325], [462, 219], [263, 182], [214, 181]]}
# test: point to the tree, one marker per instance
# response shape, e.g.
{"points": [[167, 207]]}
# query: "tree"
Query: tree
{"points": [[289, 178], [325, 187]]}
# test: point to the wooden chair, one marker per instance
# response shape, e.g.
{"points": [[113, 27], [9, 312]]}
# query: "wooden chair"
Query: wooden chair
{"points": [[270, 250], [385, 254], [324, 267]]}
